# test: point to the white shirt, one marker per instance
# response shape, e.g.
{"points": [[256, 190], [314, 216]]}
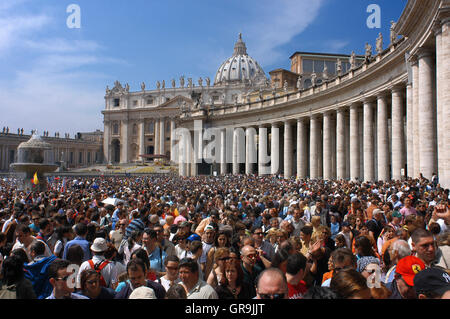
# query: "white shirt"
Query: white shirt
{"points": [[166, 283], [19, 245], [109, 272]]}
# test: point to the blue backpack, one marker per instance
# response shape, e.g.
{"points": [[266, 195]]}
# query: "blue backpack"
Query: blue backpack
{"points": [[37, 273]]}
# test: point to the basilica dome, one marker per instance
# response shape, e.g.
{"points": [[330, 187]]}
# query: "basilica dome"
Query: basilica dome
{"points": [[240, 68]]}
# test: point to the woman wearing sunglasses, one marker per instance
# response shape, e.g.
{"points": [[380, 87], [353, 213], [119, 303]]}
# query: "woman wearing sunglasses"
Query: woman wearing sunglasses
{"points": [[217, 274]]}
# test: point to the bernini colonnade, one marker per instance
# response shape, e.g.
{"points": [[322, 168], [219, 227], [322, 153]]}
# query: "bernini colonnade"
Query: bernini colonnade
{"points": [[386, 119]]}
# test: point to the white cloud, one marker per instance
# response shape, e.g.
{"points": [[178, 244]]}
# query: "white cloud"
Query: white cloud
{"points": [[276, 24], [56, 90], [14, 29], [335, 46]]}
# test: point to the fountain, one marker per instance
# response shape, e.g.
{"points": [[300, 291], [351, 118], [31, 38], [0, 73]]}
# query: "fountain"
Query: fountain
{"points": [[34, 157]]}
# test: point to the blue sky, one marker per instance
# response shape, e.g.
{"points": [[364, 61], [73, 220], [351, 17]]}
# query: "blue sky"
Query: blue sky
{"points": [[54, 77]]}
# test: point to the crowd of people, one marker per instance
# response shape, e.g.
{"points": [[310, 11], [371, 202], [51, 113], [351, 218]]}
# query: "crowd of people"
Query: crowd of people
{"points": [[224, 237]]}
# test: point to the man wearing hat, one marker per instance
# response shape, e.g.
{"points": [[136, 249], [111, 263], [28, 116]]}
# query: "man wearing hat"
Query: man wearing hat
{"points": [[432, 283], [402, 287], [107, 270]]}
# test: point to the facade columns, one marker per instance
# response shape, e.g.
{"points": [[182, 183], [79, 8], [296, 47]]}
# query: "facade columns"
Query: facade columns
{"points": [[106, 141], [263, 158], [156, 127], [383, 138], [409, 130], [302, 152], [443, 101], [398, 138], [162, 136], [275, 149], [223, 155], [416, 128], [238, 152], [340, 144], [142, 139], [313, 148], [368, 137], [354, 143], [327, 147], [250, 150], [427, 119], [173, 148], [125, 142], [288, 150]]}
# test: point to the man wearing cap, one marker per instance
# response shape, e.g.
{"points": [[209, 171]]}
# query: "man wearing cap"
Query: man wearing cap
{"points": [[432, 283], [402, 287], [98, 262]]}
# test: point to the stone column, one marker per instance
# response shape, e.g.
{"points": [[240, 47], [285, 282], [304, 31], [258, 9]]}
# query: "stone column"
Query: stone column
{"points": [[173, 148], [398, 138], [250, 150], [354, 143], [327, 155], [313, 147], [409, 131], [124, 142], [288, 150], [236, 151], [162, 136], [106, 141], [263, 158], [416, 128], [223, 157], [156, 128], [382, 138], [302, 152], [444, 101], [275, 149], [368, 141], [427, 119], [141, 140], [340, 144]]}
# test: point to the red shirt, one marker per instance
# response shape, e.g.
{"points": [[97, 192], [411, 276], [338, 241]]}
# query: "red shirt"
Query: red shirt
{"points": [[297, 291]]}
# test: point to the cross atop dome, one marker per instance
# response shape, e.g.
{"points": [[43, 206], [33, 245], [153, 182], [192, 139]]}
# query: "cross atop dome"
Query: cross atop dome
{"points": [[239, 47]]}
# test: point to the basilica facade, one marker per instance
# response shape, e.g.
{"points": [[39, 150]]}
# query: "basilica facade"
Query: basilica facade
{"points": [[381, 116]]}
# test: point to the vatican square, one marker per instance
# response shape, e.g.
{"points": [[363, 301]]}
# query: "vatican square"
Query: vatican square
{"points": [[224, 150]]}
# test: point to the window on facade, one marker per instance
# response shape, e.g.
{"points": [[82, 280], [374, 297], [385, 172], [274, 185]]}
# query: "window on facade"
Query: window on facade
{"points": [[151, 127], [318, 66], [135, 103], [115, 129], [80, 157], [331, 67], [71, 157], [215, 98], [89, 157], [149, 101], [135, 129], [308, 66], [116, 102]]}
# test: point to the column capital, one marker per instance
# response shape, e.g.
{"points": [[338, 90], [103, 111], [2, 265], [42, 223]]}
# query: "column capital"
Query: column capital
{"points": [[342, 109], [383, 95], [424, 53], [355, 106], [413, 60], [398, 89], [369, 100]]}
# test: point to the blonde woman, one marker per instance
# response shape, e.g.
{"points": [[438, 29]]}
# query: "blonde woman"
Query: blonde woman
{"points": [[217, 274]]}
